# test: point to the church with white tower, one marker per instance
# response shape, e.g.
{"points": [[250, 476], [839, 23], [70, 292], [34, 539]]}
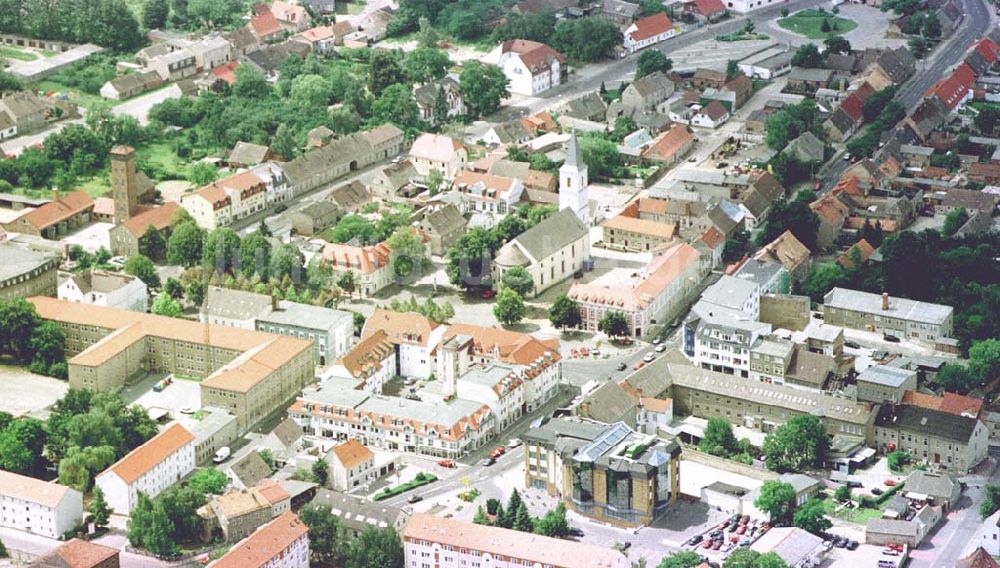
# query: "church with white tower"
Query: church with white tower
{"points": [[573, 182]]}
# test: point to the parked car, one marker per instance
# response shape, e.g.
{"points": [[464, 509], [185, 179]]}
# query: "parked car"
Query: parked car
{"points": [[852, 344], [649, 357], [447, 463], [415, 498], [695, 539], [890, 482], [187, 410], [741, 529], [852, 545], [575, 531], [660, 348], [513, 443], [840, 542], [498, 451], [486, 462], [657, 340], [876, 491], [854, 484], [890, 338], [639, 365], [622, 366], [487, 294], [827, 544], [717, 545], [707, 544]]}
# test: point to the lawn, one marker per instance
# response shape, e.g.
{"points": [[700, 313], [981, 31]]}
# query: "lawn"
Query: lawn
{"points": [[11, 53], [162, 158], [86, 100], [810, 22], [859, 515], [95, 186]]}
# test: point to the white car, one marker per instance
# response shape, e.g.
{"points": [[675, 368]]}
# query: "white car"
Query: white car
{"points": [[660, 348], [187, 410], [513, 443], [649, 357]]}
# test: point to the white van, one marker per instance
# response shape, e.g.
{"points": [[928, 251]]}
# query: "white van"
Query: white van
{"points": [[221, 455]]}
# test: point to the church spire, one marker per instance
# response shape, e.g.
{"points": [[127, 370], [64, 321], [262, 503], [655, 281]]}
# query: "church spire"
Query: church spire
{"points": [[573, 156]]}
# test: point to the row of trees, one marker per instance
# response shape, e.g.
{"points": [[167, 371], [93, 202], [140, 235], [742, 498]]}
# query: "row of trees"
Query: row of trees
{"points": [[740, 558], [162, 524], [778, 499], [108, 23], [516, 516], [27, 340]]}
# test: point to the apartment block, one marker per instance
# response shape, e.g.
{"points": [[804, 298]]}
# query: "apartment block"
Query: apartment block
{"points": [[38, 507], [884, 314], [282, 543], [152, 467]]}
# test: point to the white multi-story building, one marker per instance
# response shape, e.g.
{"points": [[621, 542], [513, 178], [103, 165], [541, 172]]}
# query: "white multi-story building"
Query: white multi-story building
{"points": [[437, 542], [38, 507], [499, 386], [152, 467], [107, 289], [277, 187], [551, 251], [722, 327], [648, 31], [369, 365], [530, 67], [414, 337], [351, 465], [282, 543]]}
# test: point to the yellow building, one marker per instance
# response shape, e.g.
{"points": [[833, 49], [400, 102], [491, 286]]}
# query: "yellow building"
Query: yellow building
{"points": [[249, 373], [210, 207]]}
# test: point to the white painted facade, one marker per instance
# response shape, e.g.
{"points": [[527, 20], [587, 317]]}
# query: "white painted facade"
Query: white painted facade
{"points": [[122, 496], [38, 507], [133, 296], [632, 45]]}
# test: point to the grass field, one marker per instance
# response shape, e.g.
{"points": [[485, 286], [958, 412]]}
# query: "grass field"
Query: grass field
{"points": [[810, 22], [11, 53], [86, 100]]}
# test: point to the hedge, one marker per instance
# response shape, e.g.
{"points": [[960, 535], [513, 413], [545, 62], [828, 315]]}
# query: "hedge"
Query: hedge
{"points": [[404, 487], [870, 503]]}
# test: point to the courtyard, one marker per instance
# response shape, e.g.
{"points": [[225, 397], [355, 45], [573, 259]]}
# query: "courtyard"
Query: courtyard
{"points": [[28, 394]]}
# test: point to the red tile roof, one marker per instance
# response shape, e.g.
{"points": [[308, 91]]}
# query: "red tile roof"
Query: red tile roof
{"points": [[59, 210], [988, 49], [78, 553], [158, 217], [537, 57], [865, 251], [361, 259], [854, 104], [147, 456], [708, 8], [953, 89], [227, 72], [264, 24], [666, 145], [651, 26], [265, 544]]}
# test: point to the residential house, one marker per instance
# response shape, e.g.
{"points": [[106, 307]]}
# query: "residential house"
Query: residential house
{"points": [[234, 308], [927, 117], [551, 251], [806, 80], [351, 465], [711, 115], [210, 207], [325, 164], [647, 93], [789, 252], [882, 384], [293, 18], [654, 294], [369, 264], [949, 441], [757, 200], [243, 41], [413, 335], [832, 213], [955, 89], [368, 365], [861, 249], [25, 112], [351, 197], [444, 227], [104, 288], [487, 194], [211, 52], [589, 107], [705, 78], [440, 153], [670, 147], [322, 7], [79, 553], [510, 133], [984, 173], [236, 514], [315, 218], [26, 272], [530, 67], [901, 317], [331, 331], [126, 238], [769, 277], [806, 148], [428, 96], [247, 471], [705, 10], [38, 507], [742, 88], [130, 85], [174, 66], [648, 31], [151, 468], [322, 39], [620, 12], [393, 179], [459, 543], [246, 154], [282, 542], [980, 558], [967, 199], [355, 514]]}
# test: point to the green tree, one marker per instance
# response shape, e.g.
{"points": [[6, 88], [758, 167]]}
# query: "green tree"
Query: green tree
{"points": [[397, 105], [311, 90], [286, 261], [918, 47], [807, 55], [733, 70], [15, 456], [255, 254], [480, 517], [837, 44], [509, 307], [825, 26], [470, 258], [482, 87], [221, 252], [321, 472], [384, 71], [184, 247], [152, 244], [139, 520], [375, 548], [897, 459], [100, 511], [991, 503], [747, 558], [799, 443], [155, 14], [426, 64], [81, 465], [209, 480], [683, 559], [519, 280], [843, 493], [164, 305], [795, 216], [181, 503], [3, 550], [347, 282], [719, 439], [823, 277], [554, 522], [650, 61], [324, 531], [215, 13], [810, 517], [602, 157], [48, 342], [587, 39], [202, 173], [522, 520], [174, 288], [195, 292], [18, 320], [440, 115], [736, 247], [984, 360], [142, 268], [777, 499], [284, 143], [9, 83], [427, 36], [614, 324], [954, 220], [932, 26], [564, 312], [158, 539]]}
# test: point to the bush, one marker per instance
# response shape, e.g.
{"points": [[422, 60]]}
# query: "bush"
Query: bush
{"points": [[870, 503], [404, 487]]}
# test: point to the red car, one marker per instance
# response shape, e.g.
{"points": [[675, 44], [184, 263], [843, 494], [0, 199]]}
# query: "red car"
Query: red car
{"points": [[639, 365], [708, 544], [446, 463], [487, 294], [498, 451], [890, 482], [734, 539], [742, 529]]}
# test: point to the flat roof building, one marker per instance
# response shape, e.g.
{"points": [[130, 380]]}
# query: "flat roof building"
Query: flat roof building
{"points": [[893, 315]]}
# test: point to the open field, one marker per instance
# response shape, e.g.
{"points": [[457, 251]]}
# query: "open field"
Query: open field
{"points": [[810, 23]]}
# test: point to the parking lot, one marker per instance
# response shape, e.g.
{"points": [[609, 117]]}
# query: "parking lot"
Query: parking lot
{"points": [[28, 394], [180, 394]]}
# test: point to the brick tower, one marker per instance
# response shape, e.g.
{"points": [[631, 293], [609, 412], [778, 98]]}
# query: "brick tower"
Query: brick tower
{"points": [[124, 185]]}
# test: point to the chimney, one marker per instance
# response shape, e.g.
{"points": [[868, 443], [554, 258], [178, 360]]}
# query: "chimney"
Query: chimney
{"points": [[274, 303], [885, 301]]}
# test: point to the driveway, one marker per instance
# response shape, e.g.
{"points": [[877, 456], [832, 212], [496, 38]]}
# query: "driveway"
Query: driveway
{"points": [[139, 106]]}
